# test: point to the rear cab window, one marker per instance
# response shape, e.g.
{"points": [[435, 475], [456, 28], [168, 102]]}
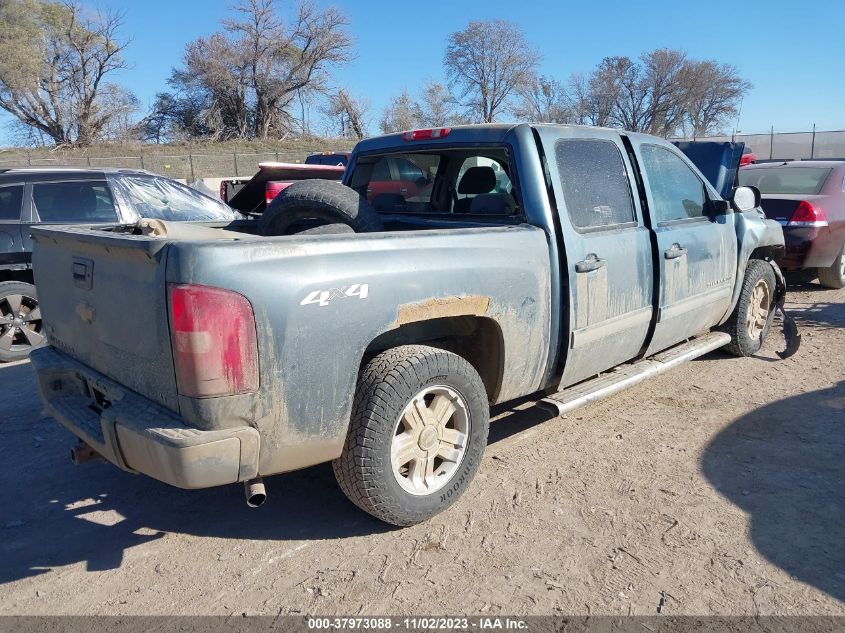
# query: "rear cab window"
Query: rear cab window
{"points": [[452, 182]]}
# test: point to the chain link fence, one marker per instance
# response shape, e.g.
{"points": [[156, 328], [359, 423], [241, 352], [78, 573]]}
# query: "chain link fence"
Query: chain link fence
{"points": [[188, 167], [789, 145]]}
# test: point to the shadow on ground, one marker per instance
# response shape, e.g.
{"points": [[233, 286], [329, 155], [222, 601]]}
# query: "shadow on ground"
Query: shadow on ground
{"points": [[784, 464], [47, 503]]}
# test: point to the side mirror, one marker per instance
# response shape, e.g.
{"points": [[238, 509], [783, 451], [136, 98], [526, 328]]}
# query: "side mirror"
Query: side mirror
{"points": [[746, 198]]}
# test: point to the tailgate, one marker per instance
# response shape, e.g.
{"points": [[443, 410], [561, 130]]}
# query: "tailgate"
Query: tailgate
{"points": [[103, 302]]}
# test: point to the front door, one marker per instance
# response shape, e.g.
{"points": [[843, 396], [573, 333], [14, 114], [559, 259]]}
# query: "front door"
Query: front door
{"points": [[697, 252], [609, 274]]}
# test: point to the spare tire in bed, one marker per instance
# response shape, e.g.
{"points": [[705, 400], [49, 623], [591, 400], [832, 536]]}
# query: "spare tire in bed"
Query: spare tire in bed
{"points": [[326, 200]]}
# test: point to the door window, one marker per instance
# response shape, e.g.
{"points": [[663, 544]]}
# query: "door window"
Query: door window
{"points": [[677, 193], [10, 202], [74, 201], [595, 183]]}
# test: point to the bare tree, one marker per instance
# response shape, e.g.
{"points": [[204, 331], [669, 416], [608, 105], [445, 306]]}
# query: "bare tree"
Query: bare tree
{"points": [[402, 113], [661, 92], [348, 113], [55, 65], [663, 78], [579, 98], [487, 63], [714, 92], [544, 100], [244, 81], [603, 93], [437, 106]]}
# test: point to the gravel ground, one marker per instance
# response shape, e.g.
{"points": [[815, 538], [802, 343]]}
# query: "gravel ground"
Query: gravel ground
{"points": [[718, 488]]}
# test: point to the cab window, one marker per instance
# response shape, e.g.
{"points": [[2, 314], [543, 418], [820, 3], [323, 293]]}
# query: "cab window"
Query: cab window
{"points": [[595, 183], [677, 193], [465, 181], [10, 202], [73, 202]]}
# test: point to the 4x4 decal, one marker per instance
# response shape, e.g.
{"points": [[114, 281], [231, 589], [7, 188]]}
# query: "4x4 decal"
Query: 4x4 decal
{"points": [[323, 297]]}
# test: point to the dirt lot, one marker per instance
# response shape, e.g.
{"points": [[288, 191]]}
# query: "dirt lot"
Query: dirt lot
{"points": [[718, 488]]}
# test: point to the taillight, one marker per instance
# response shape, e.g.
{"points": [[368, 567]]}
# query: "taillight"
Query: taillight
{"points": [[223, 190], [214, 343], [425, 135], [273, 189], [807, 214]]}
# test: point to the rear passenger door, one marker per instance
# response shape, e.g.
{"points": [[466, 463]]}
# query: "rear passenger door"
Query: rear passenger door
{"points": [[608, 250], [697, 252]]}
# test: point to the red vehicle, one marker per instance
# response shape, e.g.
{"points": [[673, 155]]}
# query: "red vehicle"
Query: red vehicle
{"points": [[396, 176], [273, 178], [808, 199], [748, 157]]}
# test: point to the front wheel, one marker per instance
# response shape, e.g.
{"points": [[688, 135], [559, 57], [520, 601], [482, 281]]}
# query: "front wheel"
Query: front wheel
{"points": [[418, 431], [752, 318], [21, 330], [834, 276]]}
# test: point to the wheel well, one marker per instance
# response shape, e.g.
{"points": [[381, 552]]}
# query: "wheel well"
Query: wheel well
{"points": [[16, 275], [477, 339], [773, 251]]}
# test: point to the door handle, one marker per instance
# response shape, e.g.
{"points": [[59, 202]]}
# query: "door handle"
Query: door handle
{"points": [[590, 263], [675, 252]]}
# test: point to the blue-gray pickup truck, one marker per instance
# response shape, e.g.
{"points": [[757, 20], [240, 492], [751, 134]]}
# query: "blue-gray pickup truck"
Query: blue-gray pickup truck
{"points": [[371, 323]]}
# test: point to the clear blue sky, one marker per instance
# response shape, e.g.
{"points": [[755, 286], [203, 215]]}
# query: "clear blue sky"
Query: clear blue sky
{"points": [[792, 51]]}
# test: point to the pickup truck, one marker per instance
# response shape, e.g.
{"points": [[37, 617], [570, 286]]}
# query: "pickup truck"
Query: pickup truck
{"points": [[376, 336], [250, 195]]}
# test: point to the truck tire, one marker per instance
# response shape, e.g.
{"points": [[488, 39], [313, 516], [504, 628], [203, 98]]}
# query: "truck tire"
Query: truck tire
{"points": [[21, 330], [326, 200], [752, 319], [834, 276], [419, 428]]}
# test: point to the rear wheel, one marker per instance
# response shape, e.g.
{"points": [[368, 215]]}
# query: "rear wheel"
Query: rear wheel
{"points": [[752, 319], [834, 276], [418, 431], [21, 330]]}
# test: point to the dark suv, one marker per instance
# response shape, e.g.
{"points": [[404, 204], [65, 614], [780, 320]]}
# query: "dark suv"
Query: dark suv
{"points": [[54, 195]]}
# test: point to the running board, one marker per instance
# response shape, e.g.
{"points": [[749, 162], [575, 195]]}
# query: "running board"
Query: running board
{"points": [[629, 375]]}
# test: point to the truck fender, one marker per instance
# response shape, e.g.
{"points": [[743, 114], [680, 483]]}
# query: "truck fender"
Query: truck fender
{"points": [[757, 238], [790, 327]]}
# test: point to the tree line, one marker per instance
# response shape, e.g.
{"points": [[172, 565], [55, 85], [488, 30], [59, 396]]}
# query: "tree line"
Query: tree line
{"points": [[265, 73]]}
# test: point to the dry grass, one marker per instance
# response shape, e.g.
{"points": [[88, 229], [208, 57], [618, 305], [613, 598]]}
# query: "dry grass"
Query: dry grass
{"points": [[186, 160]]}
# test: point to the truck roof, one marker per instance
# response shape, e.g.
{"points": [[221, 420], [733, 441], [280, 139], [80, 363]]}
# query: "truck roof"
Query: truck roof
{"points": [[476, 133]]}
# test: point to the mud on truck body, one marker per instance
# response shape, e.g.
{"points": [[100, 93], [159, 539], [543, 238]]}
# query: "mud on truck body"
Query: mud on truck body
{"points": [[374, 330]]}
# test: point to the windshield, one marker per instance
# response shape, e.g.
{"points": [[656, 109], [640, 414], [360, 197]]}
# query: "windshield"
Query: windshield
{"points": [[786, 180], [473, 181], [164, 199]]}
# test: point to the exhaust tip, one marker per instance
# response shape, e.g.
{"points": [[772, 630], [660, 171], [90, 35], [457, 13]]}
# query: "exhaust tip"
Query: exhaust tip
{"points": [[255, 492], [256, 500], [81, 453]]}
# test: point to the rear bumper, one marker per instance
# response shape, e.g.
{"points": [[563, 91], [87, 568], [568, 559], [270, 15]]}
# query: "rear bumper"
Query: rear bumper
{"points": [[138, 435], [808, 247]]}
